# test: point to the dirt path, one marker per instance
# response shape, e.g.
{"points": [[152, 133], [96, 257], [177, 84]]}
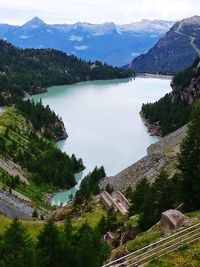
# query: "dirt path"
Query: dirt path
{"points": [[193, 45], [192, 40]]}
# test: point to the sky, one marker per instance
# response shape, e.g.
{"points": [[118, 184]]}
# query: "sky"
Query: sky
{"points": [[96, 11]]}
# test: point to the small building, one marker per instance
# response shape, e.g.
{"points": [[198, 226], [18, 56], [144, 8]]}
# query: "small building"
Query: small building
{"points": [[172, 220], [116, 200]]}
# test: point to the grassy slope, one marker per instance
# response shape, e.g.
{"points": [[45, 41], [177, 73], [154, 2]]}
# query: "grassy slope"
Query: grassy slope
{"points": [[34, 226], [18, 132], [186, 256]]}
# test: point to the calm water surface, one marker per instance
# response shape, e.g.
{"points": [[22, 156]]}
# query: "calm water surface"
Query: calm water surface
{"points": [[103, 122]]}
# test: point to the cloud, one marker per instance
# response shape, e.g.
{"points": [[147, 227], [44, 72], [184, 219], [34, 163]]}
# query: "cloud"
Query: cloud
{"points": [[120, 11]]}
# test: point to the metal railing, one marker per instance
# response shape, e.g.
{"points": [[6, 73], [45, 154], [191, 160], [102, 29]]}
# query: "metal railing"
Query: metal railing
{"points": [[159, 248]]}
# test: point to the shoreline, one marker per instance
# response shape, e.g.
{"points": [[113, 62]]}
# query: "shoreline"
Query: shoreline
{"points": [[153, 129], [151, 75]]}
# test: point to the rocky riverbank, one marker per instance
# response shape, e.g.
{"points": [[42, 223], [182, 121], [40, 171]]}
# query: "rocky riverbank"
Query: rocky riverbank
{"points": [[62, 133], [37, 90], [152, 128]]}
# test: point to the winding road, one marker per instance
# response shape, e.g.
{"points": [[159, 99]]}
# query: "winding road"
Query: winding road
{"points": [[192, 39]]}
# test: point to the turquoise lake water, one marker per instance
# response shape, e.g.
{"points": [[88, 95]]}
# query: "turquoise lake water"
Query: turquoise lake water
{"points": [[103, 122]]}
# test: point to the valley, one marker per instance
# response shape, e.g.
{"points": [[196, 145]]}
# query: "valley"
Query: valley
{"points": [[106, 114], [99, 164]]}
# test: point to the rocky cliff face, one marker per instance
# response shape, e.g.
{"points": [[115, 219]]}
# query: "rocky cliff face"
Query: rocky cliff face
{"points": [[186, 85], [174, 52], [189, 94]]}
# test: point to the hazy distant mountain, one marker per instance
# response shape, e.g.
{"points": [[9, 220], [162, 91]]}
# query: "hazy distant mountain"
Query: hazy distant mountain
{"points": [[174, 52], [108, 42]]}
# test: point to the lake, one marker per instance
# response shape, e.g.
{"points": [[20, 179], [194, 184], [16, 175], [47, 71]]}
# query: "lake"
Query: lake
{"points": [[103, 122]]}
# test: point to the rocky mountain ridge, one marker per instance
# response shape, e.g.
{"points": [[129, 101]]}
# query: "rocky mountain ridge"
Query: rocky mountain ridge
{"points": [[114, 44], [188, 91], [175, 51]]}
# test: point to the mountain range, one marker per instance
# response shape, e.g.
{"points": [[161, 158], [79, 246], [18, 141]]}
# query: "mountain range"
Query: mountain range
{"points": [[114, 44], [175, 51]]}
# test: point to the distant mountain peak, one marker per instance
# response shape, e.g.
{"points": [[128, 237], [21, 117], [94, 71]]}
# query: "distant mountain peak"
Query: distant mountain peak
{"points": [[192, 20], [175, 51], [108, 42], [35, 22]]}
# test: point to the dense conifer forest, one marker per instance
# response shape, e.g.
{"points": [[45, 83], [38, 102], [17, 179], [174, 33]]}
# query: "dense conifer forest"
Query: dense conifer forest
{"points": [[173, 110], [150, 200], [53, 247], [26, 70], [170, 115]]}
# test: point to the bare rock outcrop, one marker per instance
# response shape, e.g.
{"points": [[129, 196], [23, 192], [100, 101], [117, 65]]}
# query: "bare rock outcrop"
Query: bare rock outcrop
{"points": [[188, 94]]}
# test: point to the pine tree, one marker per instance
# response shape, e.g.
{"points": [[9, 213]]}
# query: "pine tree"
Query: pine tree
{"points": [[49, 246], [140, 196], [189, 163], [111, 220], [102, 225], [16, 247], [87, 253], [68, 249], [163, 193], [91, 250]]}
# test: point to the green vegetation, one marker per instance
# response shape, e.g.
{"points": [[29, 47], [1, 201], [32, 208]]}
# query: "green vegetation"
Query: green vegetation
{"points": [[9, 255], [30, 69], [143, 239], [92, 217], [170, 115], [89, 185], [43, 119], [189, 163], [186, 256], [53, 246], [183, 78], [150, 200], [36, 154], [173, 110]]}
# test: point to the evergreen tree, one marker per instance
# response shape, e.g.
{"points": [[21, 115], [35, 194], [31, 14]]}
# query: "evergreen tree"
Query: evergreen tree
{"points": [[91, 250], [16, 247], [189, 163], [111, 220], [163, 192], [68, 249], [102, 225], [140, 196], [86, 253], [49, 246]]}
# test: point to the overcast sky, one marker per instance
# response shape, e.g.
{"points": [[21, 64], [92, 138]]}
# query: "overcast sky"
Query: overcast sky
{"points": [[96, 11]]}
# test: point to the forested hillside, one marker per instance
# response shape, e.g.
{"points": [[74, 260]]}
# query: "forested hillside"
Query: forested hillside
{"points": [[173, 110], [20, 142], [32, 70]]}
